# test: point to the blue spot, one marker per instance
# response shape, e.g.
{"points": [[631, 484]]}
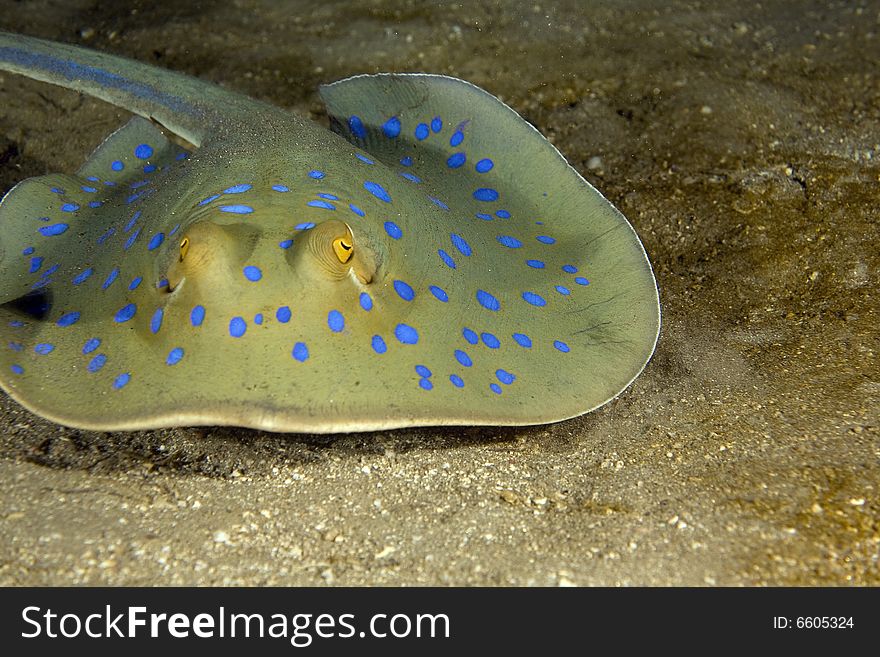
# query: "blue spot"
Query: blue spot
{"points": [[36, 263], [174, 356], [406, 161], [285, 244], [163, 282], [411, 177], [490, 340], [440, 293], [139, 184], [92, 178], [406, 334], [16, 324], [237, 327], [470, 336], [304, 226], [28, 250], [156, 321], [300, 352], [18, 369], [484, 216], [484, 165], [377, 190], [54, 229], [364, 158], [82, 276], [150, 168], [90, 345], [57, 190], [126, 313], [97, 363], [131, 239], [205, 201], [456, 160], [463, 358], [436, 124], [197, 315], [143, 151], [569, 269], [329, 197], [393, 230], [446, 258], [116, 165], [135, 282], [283, 314], [546, 239], [68, 319], [156, 241], [95, 204], [281, 188], [121, 380], [106, 235], [509, 242], [112, 276], [356, 210], [563, 290], [457, 381], [425, 384], [316, 175], [502, 214], [423, 371], [181, 156], [237, 189], [404, 291], [422, 131], [88, 189], [561, 346], [391, 127], [252, 273], [534, 299], [522, 340], [321, 204], [494, 387], [132, 221], [580, 280], [69, 207], [459, 243], [366, 301], [488, 301], [236, 209], [357, 127], [440, 204], [16, 346], [505, 377], [486, 194], [335, 321], [456, 138], [378, 344], [536, 264], [44, 348]]}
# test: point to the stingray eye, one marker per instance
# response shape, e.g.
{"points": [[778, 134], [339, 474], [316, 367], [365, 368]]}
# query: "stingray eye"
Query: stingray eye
{"points": [[342, 247], [184, 247]]}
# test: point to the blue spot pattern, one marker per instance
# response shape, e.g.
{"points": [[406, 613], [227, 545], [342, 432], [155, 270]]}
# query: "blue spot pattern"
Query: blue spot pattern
{"points": [[406, 334], [463, 358], [335, 321], [197, 315], [253, 273], [486, 194], [174, 356], [90, 345], [156, 321], [143, 151], [68, 319], [484, 165], [366, 301], [126, 313], [378, 344], [377, 190], [283, 314], [393, 230], [391, 127], [97, 363], [156, 241], [300, 352], [461, 244], [534, 299], [522, 340], [44, 348], [490, 340], [404, 291], [237, 327], [236, 209], [54, 229], [121, 381], [470, 336], [356, 125], [488, 301], [456, 380], [446, 258], [439, 293]]}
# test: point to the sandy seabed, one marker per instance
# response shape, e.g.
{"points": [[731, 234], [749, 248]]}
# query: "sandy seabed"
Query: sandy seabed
{"points": [[741, 140]]}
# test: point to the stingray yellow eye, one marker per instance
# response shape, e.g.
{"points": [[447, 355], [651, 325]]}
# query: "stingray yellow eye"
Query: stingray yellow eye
{"points": [[184, 247], [343, 249]]}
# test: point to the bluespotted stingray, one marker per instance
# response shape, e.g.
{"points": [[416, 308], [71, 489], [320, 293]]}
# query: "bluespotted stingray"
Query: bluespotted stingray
{"points": [[432, 260]]}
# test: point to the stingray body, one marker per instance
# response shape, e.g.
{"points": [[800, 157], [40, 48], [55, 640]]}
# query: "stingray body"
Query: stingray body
{"points": [[433, 260]]}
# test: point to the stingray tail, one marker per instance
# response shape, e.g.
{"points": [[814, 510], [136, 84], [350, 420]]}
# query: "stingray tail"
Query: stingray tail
{"points": [[185, 105]]}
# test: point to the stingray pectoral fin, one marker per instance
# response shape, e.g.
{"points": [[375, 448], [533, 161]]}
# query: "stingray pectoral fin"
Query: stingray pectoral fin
{"points": [[564, 262], [53, 224], [189, 107]]}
